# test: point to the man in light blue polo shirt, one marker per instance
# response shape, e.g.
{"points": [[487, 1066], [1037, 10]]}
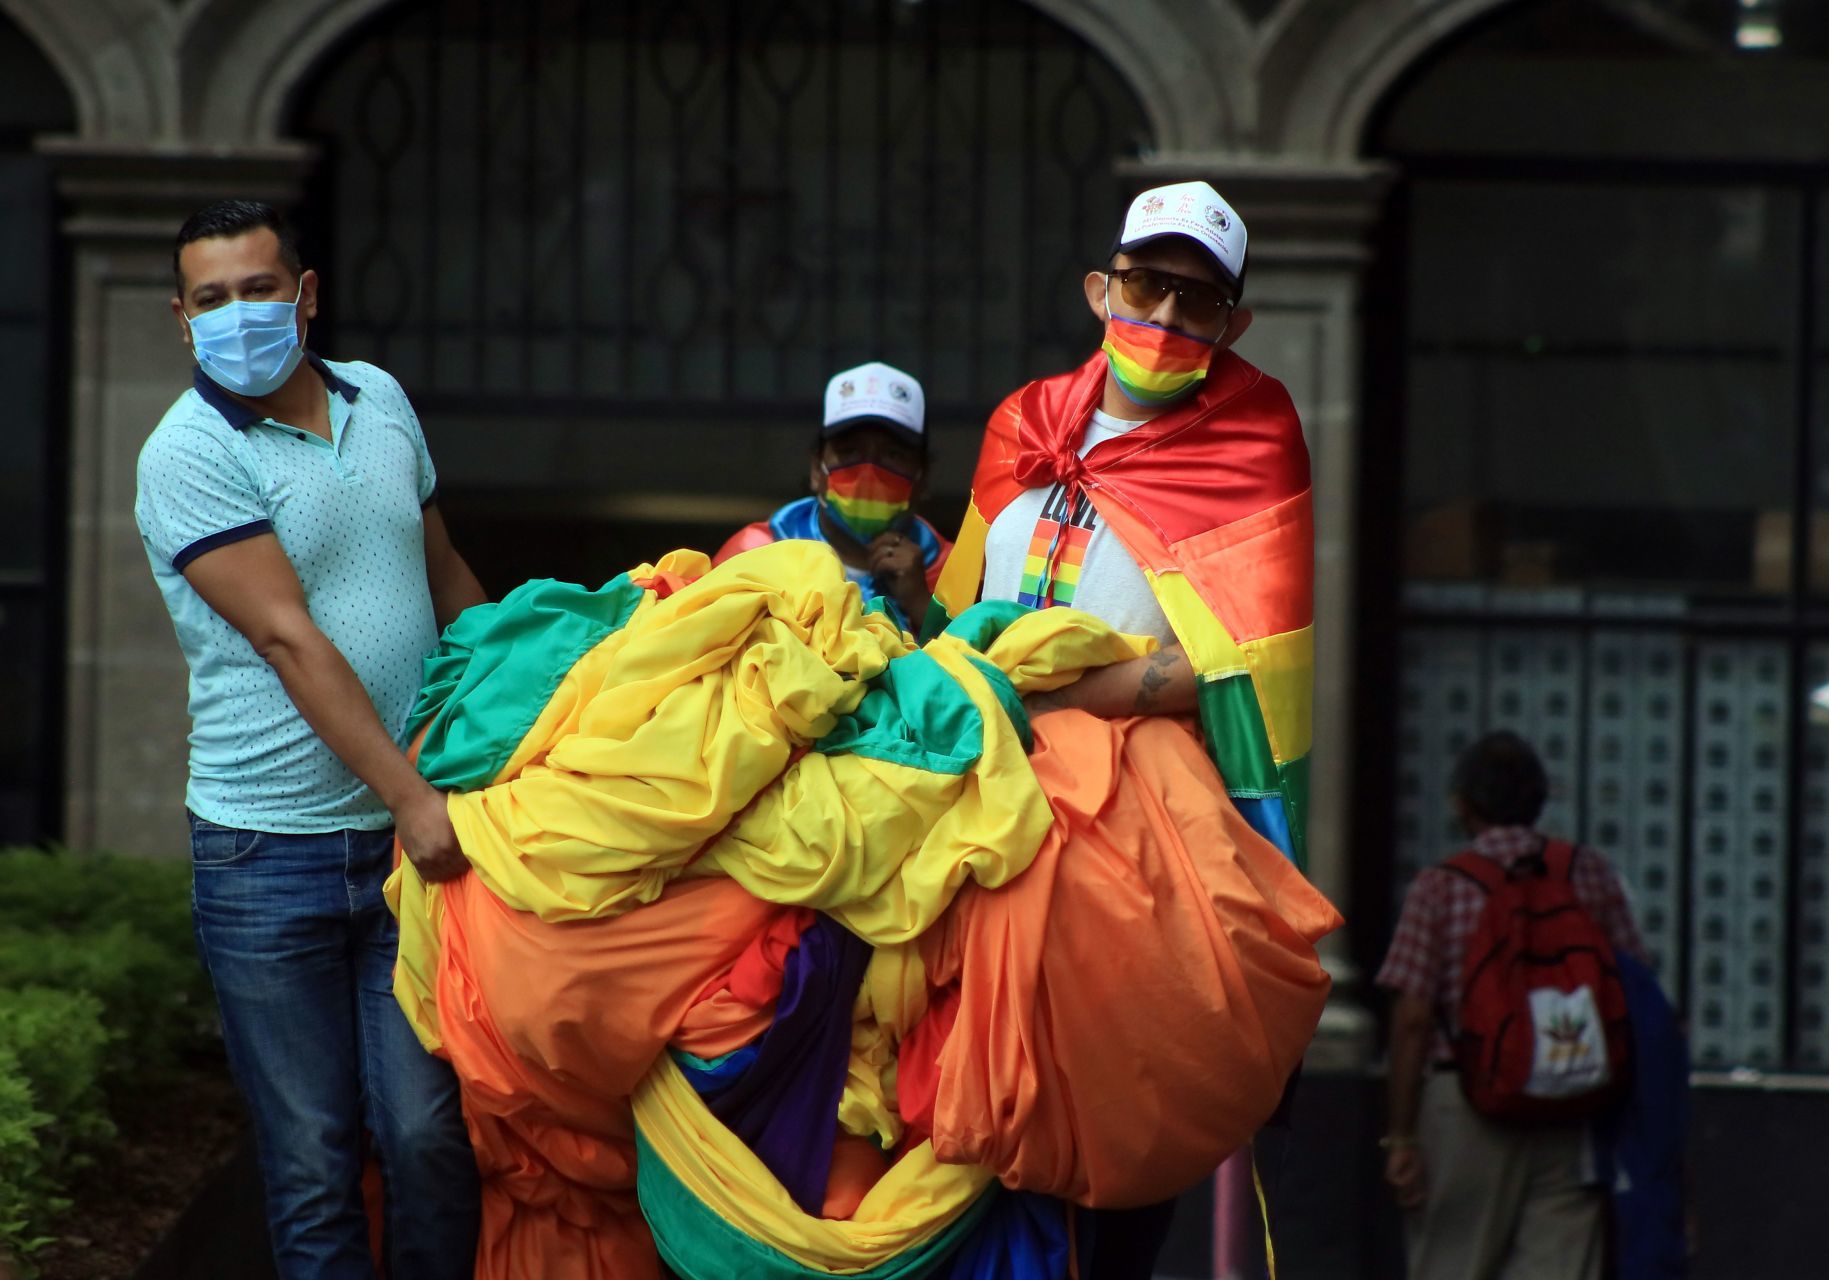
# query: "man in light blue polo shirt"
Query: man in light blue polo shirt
{"points": [[287, 507]]}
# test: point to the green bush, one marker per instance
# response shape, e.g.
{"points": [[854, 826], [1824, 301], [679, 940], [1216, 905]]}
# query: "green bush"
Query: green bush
{"points": [[151, 1000], [26, 1199], [100, 992], [79, 891], [117, 927], [52, 1111], [59, 1044]]}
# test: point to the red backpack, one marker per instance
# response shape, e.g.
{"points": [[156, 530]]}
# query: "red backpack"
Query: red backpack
{"points": [[1543, 1034]]}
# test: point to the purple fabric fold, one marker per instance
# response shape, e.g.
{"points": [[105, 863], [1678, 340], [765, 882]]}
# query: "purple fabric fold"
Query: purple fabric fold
{"points": [[785, 1105]]}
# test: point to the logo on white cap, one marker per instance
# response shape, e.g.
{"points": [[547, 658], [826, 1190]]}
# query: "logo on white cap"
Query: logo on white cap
{"points": [[875, 390], [1191, 209]]}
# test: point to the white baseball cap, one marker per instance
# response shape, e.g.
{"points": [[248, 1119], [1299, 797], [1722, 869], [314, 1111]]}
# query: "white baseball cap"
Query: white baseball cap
{"points": [[1194, 211], [875, 395]]}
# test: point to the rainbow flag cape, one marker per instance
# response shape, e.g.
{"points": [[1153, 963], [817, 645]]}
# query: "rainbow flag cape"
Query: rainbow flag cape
{"points": [[1213, 500]]}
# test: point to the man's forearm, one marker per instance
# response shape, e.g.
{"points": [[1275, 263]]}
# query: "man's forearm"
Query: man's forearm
{"points": [[321, 684], [454, 590], [1409, 1044], [1161, 684], [914, 607]]}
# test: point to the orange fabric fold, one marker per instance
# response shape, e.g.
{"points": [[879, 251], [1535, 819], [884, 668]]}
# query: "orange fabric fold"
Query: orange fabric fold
{"points": [[551, 1026], [1130, 1007]]}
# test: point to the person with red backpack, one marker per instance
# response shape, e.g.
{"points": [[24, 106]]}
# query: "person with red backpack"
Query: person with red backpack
{"points": [[1508, 1034]]}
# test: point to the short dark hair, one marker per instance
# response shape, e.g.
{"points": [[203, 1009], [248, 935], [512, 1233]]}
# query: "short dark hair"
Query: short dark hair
{"points": [[235, 218], [1501, 780]]}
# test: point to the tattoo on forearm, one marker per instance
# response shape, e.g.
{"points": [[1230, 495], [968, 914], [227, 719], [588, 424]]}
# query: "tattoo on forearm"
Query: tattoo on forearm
{"points": [[1156, 678]]}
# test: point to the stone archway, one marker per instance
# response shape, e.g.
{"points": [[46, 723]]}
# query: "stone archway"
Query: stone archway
{"points": [[1189, 64], [111, 60], [1326, 65], [1193, 73], [248, 60]]}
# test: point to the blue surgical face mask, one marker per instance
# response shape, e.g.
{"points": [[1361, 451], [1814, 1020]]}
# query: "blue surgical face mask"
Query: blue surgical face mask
{"points": [[250, 348]]}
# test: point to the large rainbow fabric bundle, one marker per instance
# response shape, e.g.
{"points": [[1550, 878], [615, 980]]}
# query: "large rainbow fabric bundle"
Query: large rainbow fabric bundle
{"points": [[784, 936]]}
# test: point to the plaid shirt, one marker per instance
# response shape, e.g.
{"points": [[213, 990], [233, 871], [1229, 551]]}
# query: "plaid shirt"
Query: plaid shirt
{"points": [[1442, 908]]}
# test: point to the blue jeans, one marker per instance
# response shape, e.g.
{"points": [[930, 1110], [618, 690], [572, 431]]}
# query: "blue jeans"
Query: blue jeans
{"points": [[300, 949]]}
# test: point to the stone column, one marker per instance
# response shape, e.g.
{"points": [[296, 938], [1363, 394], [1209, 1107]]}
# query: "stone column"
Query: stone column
{"points": [[1310, 228], [127, 724]]}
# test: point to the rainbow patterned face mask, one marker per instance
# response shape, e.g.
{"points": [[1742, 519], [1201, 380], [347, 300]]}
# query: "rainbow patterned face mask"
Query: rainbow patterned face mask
{"points": [[1154, 366], [865, 498]]}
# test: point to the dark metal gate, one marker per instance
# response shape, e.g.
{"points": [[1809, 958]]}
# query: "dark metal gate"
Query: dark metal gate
{"points": [[657, 202], [34, 479]]}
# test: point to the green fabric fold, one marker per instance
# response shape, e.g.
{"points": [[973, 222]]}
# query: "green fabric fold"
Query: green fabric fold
{"points": [[1233, 723], [980, 625], [498, 665], [914, 714], [1294, 779], [918, 715], [700, 1245]]}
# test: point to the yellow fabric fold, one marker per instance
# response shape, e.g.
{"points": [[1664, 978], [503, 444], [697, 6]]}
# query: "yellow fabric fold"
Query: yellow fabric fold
{"points": [[963, 572], [419, 908], [1283, 670], [1209, 645], [913, 1202], [890, 1000], [669, 728], [881, 846], [1044, 650]]}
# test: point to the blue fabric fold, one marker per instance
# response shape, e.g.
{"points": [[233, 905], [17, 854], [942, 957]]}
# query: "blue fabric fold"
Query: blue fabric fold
{"points": [[714, 1075], [1022, 1234]]}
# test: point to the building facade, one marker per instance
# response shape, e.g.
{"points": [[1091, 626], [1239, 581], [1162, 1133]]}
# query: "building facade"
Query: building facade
{"points": [[1541, 276]]}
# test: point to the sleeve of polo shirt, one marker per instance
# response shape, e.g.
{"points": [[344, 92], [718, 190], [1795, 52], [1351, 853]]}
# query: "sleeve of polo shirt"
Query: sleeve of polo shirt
{"points": [[1413, 964], [195, 496], [428, 474]]}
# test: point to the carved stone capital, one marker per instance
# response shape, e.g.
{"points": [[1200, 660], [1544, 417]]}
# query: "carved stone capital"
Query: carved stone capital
{"points": [[139, 193]]}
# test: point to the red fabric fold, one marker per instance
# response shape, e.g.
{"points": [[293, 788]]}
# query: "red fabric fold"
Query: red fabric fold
{"points": [[1233, 449]]}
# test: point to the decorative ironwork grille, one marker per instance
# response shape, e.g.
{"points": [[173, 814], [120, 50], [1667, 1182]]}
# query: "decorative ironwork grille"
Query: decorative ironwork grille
{"points": [[1660, 644], [659, 202]]}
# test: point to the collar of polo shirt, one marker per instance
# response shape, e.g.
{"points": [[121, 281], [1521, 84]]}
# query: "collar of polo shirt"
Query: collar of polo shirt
{"points": [[241, 416]]}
